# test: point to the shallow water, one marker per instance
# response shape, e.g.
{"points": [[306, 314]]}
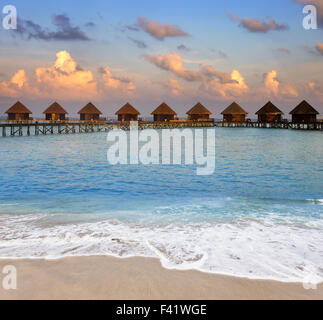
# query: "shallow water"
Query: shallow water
{"points": [[259, 215]]}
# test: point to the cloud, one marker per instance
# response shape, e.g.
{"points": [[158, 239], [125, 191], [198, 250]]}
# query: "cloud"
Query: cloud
{"points": [[66, 80], [220, 53], [271, 82], [90, 24], [173, 62], [273, 87], [229, 89], [284, 50], [174, 86], [315, 88], [214, 82], [255, 25], [64, 30], [221, 76], [133, 27], [140, 44], [319, 6], [288, 91], [157, 30], [319, 48], [19, 78], [182, 47], [111, 81], [308, 49], [15, 86]]}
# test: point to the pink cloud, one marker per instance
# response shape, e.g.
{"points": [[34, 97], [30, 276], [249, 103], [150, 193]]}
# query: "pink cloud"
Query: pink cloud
{"points": [[214, 82], [237, 87], [315, 88], [271, 82], [173, 62], [319, 48], [65, 80], [16, 86], [284, 50], [174, 87], [273, 87], [160, 31], [223, 77], [110, 81], [255, 25]]}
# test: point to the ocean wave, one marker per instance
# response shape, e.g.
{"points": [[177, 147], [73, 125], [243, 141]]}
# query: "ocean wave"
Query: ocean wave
{"points": [[315, 201], [252, 248]]}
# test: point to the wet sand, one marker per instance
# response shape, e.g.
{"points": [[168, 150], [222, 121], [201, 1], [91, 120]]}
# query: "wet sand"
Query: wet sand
{"points": [[99, 277]]}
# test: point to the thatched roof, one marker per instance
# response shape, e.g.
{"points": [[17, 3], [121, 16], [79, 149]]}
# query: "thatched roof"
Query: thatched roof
{"points": [[198, 109], [304, 108], [234, 108], [127, 109], [18, 107], [269, 107], [55, 108], [164, 109], [90, 108]]}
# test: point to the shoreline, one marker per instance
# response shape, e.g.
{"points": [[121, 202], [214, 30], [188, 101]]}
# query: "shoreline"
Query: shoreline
{"points": [[8, 259], [106, 277]]}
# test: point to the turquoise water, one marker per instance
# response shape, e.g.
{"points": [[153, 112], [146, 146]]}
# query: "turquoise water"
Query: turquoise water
{"points": [[259, 215]]}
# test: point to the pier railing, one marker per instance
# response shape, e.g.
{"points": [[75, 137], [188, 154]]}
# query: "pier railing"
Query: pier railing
{"points": [[272, 125], [40, 127]]}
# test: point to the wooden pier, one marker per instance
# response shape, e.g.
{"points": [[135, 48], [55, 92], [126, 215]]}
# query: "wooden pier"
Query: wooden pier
{"points": [[317, 126], [35, 128], [30, 128]]}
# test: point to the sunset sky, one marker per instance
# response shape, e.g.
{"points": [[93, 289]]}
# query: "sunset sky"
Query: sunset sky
{"points": [[146, 52]]}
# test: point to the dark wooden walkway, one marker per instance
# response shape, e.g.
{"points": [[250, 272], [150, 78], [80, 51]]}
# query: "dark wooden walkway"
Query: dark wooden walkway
{"points": [[318, 126], [28, 128]]}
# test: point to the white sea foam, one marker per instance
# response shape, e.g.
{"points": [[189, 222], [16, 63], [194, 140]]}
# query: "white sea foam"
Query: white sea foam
{"points": [[316, 201], [250, 248]]}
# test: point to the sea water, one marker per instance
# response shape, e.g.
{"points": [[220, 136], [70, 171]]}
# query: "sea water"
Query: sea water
{"points": [[260, 215]]}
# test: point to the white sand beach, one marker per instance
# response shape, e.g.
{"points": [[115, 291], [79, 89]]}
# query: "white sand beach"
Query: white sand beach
{"points": [[101, 277]]}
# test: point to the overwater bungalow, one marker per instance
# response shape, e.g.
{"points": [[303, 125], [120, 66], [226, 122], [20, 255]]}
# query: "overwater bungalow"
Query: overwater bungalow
{"points": [[127, 113], [198, 112], [164, 113], [18, 112], [304, 113], [55, 112], [89, 112], [269, 113], [234, 113]]}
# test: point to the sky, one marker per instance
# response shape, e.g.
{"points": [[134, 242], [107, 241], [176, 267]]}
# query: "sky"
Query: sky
{"points": [[146, 52]]}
